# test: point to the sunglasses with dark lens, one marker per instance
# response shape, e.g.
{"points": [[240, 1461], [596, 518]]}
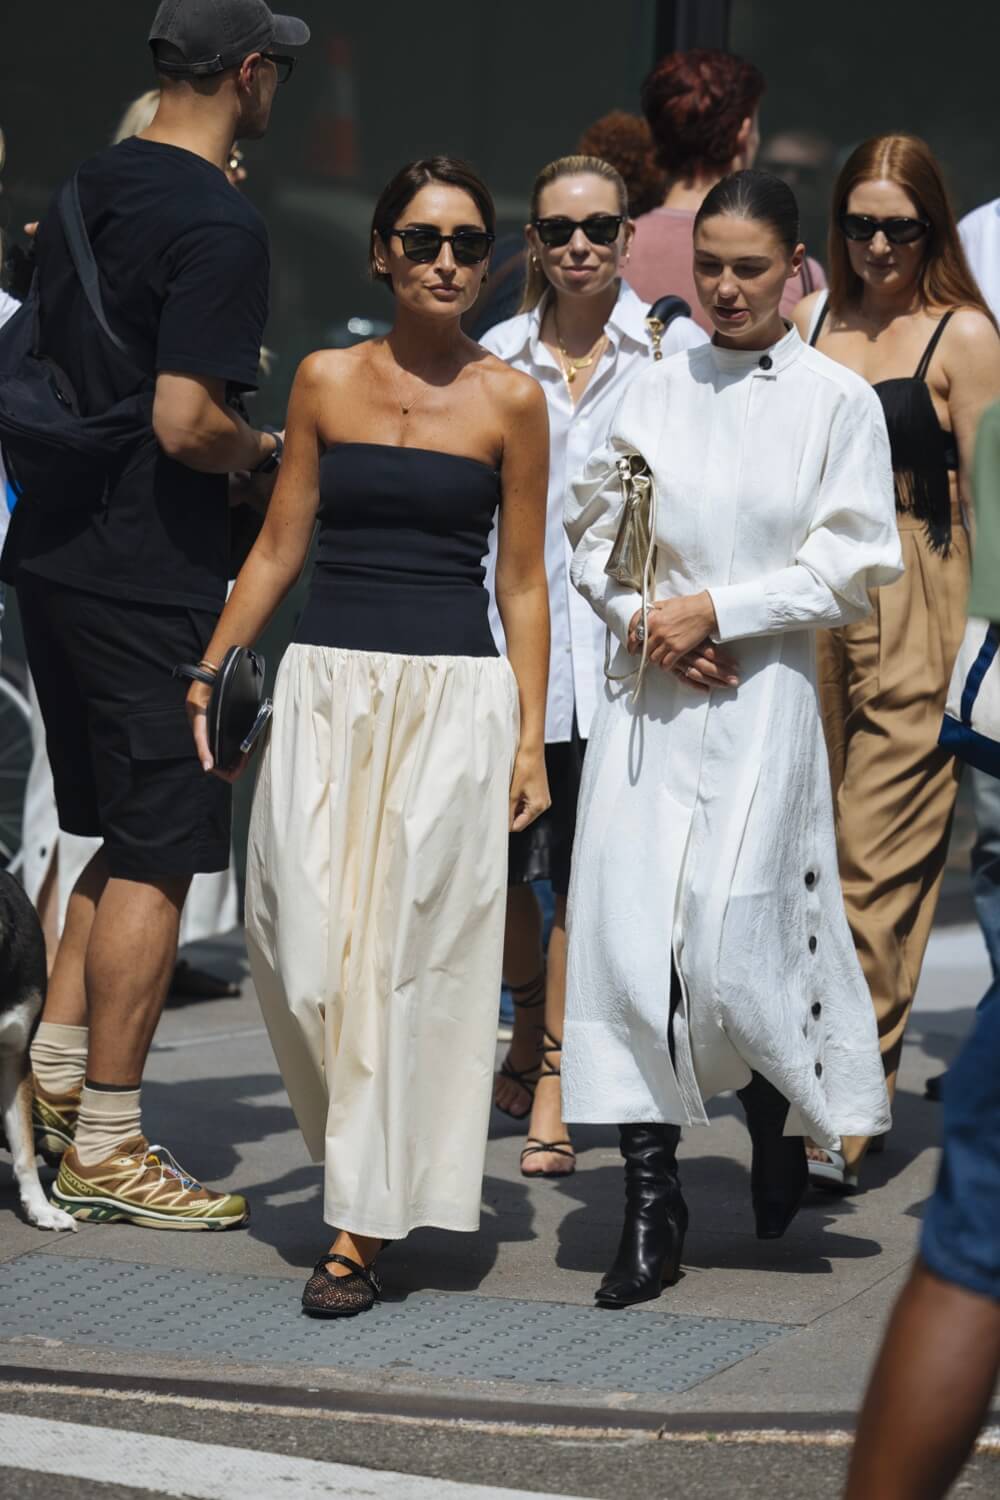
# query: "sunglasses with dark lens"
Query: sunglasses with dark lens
{"points": [[284, 66], [468, 246], [600, 229], [897, 231]]}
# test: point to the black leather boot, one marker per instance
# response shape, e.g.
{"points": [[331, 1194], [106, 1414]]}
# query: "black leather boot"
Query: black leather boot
{"points": [[656, 1217], [779, 1174]]}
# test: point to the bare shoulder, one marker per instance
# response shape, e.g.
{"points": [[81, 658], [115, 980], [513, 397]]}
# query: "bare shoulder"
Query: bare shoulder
{"points": [[326, 368], [803, 311], [517, 394], [970, 332]]}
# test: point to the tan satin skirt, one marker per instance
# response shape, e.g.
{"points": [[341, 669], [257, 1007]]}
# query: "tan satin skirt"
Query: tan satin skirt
{"points": [[376, 897]]}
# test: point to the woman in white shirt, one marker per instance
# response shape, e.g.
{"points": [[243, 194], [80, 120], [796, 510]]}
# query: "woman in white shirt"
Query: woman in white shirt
{"points": [[582, 334], [708, 944]]}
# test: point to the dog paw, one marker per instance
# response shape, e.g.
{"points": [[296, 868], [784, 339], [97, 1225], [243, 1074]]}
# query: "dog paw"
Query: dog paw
{"points": [[46, 1216]]}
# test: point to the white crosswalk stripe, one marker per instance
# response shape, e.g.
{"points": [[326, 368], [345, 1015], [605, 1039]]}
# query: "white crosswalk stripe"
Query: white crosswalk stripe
{"points": [[207, 1471]]}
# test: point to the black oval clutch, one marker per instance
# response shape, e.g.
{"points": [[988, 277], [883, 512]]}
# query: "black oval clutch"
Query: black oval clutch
{"points": [[238, 713]]}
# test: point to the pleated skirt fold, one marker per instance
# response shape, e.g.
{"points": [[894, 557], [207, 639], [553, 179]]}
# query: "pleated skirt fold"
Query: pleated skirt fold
{"points": [[376, 892]]}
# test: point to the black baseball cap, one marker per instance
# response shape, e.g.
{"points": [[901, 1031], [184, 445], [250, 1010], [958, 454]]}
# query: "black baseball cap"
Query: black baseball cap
{"points": [[213, 35]]}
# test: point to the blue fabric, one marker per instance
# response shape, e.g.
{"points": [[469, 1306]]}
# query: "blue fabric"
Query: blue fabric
{"points": [[977, 672], [961, 1233], [975, 749], [986, 870]]}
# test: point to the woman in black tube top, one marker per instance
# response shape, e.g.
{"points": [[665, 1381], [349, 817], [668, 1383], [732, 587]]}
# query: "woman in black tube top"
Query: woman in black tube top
{"points": [[904, 311], [403, 747]]}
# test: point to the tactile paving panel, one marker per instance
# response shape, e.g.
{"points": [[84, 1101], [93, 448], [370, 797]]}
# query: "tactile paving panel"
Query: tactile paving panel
{"points": [[242, 1319]]}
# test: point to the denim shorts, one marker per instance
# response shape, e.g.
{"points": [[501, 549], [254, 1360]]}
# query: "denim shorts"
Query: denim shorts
{"points": [[961, 1234]]}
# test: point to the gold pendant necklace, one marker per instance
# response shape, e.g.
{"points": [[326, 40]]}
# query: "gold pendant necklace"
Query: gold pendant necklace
{"points": [[570, 364]]}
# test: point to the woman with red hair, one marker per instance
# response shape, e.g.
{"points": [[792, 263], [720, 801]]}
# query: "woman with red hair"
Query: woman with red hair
{"points": [[702, 112], [905, 312]]}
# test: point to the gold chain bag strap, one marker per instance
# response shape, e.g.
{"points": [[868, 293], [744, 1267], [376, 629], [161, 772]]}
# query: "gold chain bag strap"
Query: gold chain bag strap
{"points": [[633, 556]]}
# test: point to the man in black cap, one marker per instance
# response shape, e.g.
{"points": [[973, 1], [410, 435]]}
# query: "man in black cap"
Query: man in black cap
{"points": [[114, 596]]}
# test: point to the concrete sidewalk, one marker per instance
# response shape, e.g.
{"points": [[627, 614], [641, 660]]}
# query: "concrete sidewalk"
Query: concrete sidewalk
{"points": [[754, 1335]]}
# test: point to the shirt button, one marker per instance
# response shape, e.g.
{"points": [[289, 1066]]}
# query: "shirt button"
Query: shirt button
{"points": [[817, 1010], [810, 878], [812, 944], [819, 1070], [765, 361]]}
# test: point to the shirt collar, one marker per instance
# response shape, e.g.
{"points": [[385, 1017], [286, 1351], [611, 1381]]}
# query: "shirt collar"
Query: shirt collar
{"points": [[764, 362], [627, 320]]}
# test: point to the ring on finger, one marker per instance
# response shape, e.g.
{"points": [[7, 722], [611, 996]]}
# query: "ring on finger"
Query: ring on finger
{"points": [[640, 632]]}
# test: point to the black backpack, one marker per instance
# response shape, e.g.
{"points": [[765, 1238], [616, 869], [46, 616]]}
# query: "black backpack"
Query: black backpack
{"points": [[55, 455]]}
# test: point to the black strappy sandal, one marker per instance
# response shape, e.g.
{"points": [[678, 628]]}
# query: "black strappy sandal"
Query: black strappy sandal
{"points": [[329, 1296], [526, 1078], [534, 1146]]}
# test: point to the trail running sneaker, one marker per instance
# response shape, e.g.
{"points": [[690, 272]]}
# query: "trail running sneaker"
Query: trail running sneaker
{"points": [[53, 1117], [143, 1184]]}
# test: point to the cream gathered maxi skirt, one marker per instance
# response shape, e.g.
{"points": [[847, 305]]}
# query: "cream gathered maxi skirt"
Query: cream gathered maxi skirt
{"points": [[376, 895]]}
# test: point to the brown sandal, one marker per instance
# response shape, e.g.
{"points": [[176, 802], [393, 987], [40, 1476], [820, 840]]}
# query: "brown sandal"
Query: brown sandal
{"points": [[329, 1296]]}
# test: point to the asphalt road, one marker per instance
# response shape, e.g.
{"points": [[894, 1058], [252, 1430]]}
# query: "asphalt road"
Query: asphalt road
{"points": [[611, 1467]]}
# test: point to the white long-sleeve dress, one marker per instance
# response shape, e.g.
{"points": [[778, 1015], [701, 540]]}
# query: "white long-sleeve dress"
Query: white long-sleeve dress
{"points": [[706, 827]]}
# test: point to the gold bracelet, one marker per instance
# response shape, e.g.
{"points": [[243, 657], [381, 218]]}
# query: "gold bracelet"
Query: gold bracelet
{"points": [[209, 664]]}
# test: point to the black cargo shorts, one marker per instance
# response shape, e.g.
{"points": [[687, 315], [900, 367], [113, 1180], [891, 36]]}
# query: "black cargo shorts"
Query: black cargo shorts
{"points": [[119, 743]]}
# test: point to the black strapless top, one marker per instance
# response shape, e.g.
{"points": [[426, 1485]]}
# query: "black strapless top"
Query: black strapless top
{"points": [[923, 452], [399, 559]]}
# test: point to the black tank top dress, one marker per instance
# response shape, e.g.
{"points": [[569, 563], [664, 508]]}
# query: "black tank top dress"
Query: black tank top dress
{"points": [[399, 560]]}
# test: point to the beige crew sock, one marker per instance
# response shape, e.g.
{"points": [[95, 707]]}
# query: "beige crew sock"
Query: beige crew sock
{"points": [[108, 1117], [59, 1056]]}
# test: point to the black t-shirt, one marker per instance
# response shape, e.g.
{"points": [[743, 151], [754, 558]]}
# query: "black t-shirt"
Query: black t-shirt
{"points": [[184, 267]]}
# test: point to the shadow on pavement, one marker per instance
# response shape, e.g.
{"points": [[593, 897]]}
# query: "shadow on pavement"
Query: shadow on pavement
{"points": [[720, 1234]]}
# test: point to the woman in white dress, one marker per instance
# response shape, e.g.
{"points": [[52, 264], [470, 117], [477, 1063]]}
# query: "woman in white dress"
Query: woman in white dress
{"points": [[404, 748], [582, 334], [708, 946]]}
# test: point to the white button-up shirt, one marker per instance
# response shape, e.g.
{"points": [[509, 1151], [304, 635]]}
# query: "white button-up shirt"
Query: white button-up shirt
{"points": [[576, 667], [980, 233]]}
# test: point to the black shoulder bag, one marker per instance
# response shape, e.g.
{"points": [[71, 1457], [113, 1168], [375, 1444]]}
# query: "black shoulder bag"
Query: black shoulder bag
{"points": [[54, 454]]}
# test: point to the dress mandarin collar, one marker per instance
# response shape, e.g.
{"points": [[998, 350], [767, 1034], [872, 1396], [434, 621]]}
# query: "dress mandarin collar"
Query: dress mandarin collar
{"points": [[760, 361]]}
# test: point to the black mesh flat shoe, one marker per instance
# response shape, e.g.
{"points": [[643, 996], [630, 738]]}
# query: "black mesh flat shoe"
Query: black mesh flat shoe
{"points": [[329, 1296]]}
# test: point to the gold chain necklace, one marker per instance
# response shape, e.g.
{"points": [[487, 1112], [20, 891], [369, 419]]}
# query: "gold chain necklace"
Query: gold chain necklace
{"points": [[570, 364], [405, 406]]}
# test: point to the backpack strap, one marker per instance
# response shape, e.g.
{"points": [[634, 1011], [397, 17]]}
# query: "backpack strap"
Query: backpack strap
{"points": [[78, 244]]}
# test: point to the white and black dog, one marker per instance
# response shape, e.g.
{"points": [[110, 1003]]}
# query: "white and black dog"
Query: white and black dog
{"points": [[22, 994]]}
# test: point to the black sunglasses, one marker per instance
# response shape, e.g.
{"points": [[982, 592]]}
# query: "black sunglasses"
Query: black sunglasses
{"points": [[897, 231], [469, 246], [284, 66], [600, 229]]}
